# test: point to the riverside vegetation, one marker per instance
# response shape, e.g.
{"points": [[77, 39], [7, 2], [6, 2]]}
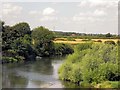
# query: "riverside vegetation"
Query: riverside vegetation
{"points": [[88, 64], [92, 65], [20, 43]]}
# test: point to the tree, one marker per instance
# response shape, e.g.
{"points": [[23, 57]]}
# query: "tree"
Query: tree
{"points": [[42, 40], [21, 29], [108, 35], [1, 25], [17, 39]]}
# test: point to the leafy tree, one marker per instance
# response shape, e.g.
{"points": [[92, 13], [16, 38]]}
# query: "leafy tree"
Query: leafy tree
{"points": [[21, 29], [16, 42], [42, 40]]}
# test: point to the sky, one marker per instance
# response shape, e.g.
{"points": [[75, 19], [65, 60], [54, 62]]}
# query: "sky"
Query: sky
{"points": [[83, 16]]}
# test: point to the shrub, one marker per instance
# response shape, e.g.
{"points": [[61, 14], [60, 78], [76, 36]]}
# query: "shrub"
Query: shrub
{"points": [[70, 39], [91, 63], [62, 49], [109, 42], [8, 59], [83, 46], [98, 41]]}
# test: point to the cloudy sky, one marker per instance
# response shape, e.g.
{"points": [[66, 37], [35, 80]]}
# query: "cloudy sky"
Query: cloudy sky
{"points": [[84, 16]]}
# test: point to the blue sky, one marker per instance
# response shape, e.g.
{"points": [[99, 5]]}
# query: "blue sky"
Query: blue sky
{"points": [[85, 16]]}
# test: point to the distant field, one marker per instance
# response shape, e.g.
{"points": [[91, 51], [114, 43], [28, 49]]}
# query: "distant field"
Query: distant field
{"points": [[77, 41]]}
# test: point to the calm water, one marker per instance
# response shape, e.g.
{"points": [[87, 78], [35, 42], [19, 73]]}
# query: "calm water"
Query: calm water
{"points": [[41, 73]]}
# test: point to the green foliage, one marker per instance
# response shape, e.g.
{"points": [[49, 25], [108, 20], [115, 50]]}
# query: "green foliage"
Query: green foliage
{"points": [[108, 35], [70, 39], [16, 42], [108, 84], [62, 49], [21, 29], [91, 63], [42, 35], [84, 35], [82, 46], [42, 41], [12, 59], [109, 42]]}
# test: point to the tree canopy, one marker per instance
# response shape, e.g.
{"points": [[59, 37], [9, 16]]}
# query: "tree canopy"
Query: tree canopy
{"points": [[42, 40]]}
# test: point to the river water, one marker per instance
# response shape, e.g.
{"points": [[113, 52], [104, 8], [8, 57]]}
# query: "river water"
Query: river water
{"points": [[42, 73]]}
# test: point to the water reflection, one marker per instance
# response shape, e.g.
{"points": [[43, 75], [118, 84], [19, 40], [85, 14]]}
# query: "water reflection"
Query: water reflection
{"points": [[30, 74], [42, 73]]}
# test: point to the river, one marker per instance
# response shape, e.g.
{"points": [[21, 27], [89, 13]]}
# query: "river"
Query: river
{"points": [[42, 73]]}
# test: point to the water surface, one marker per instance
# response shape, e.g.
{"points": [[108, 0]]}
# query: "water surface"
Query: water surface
{"points": [[42, 73]]}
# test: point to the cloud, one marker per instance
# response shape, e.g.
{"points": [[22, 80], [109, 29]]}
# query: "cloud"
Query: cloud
{"points": [[9, 8], [99, 3], [91, 16], [48, 14], [48, 18], [99, 13], [34, 12], [48, 11]]}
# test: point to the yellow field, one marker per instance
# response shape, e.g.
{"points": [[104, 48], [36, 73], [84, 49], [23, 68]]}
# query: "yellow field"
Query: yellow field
{"points": [[77, 41]]}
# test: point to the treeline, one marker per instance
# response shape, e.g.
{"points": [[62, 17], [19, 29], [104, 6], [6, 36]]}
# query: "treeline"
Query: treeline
{"points": [[92, 65], [20, 43], [85, 36]]}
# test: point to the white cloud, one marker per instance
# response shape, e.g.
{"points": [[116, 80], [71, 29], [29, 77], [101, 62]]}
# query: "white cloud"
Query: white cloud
{"points": [[99, 3], [49, 14], [48, 11], [9, 8], [34, 12], [99, 13], [91, 16], [48, 18]]}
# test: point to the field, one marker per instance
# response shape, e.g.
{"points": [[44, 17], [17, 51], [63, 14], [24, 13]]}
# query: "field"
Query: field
{"points": [[77, 41]]}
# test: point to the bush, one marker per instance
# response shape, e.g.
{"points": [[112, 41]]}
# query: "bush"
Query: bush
{"points": [[109, 42], [108, 84], [70, 39], [62, 49], [83, 46], [91, 63], [8, 59], [98, 41]]}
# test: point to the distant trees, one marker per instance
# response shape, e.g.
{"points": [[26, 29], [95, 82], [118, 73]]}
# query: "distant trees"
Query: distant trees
{"points": [[84, 35], [108, 35]]}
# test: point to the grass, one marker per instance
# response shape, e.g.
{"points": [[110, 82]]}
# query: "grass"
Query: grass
{"points": [[108, 84]]}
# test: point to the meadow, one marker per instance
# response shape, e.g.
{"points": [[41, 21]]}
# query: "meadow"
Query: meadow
{"points": [[77, 41]]}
